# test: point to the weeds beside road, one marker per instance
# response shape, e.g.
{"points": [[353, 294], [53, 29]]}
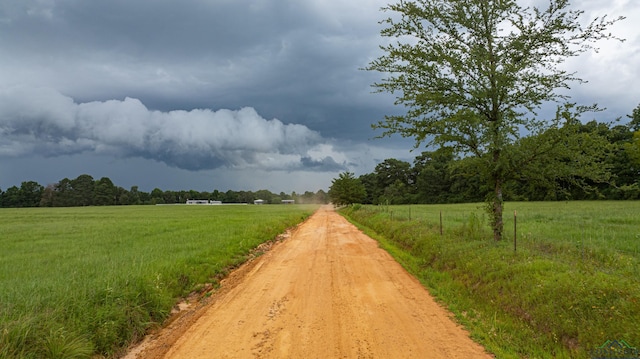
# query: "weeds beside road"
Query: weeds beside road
{"points": [[572, 284]]}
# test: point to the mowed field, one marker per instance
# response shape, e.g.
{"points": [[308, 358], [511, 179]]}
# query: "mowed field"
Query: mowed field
{"points": [[80, 281], [569, 283]]}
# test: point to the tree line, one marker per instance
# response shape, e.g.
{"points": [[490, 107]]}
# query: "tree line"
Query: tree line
{"points": [[85, 191], [612, 172]]}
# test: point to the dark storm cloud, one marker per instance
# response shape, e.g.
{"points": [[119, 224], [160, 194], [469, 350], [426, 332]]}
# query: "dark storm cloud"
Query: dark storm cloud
{"points": [[327, 164], [147, 29], [297, 61]]}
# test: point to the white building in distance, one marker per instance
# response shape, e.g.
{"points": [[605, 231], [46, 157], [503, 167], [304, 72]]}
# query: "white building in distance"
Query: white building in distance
{"points": [[203, 201]]}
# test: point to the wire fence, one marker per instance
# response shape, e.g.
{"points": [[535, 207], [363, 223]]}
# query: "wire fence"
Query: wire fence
{"points": [[604, 238]]}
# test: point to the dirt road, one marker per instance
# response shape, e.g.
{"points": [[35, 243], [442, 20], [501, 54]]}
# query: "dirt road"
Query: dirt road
{"points": [[327, 291]]}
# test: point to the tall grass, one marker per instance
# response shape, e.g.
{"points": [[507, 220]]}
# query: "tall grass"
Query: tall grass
{"points": [[570, 284], [80, 281]]}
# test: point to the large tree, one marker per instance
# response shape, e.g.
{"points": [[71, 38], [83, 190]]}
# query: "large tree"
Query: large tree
{"points": [[346, 190], [433, 175], [105, 192], [83, 188], [30, 194], [473, 74], [395, 181]]}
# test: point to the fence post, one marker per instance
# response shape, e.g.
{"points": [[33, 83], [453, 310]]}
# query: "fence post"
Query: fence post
{"points": [[515, 230]]}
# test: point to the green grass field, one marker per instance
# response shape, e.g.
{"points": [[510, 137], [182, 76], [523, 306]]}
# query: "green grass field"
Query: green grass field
{"points": [[75, 282], [571, 284]]}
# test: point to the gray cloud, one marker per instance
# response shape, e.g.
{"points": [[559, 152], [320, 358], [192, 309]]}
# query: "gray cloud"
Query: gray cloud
{"points": [[46, 122], [327, 164], [296, 61]]}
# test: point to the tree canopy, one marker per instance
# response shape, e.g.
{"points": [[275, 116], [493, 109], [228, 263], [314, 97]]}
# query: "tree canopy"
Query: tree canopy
{"points": [[474, 74], [346, 190]]}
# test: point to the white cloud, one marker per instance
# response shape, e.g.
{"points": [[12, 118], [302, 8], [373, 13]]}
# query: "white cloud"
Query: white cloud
{"points": [[43, 121], [611, 72]]}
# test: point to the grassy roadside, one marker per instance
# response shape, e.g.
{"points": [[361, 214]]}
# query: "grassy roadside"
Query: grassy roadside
{"points": [[75, 282], [571, 285]]}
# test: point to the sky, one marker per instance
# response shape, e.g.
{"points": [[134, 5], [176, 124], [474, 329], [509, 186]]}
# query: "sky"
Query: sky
{"points": [[223, 94]]}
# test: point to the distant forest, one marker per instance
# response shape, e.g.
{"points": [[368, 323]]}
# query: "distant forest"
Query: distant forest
{"points": [[85, 191], [442, 177]]}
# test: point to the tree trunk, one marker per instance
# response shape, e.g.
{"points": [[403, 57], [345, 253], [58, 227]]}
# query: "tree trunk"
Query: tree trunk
{"points": [[497, 223], [497, 178]]}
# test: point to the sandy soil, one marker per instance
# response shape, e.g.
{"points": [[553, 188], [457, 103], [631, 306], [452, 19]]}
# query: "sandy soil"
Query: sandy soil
{"points": [[327, 291]]}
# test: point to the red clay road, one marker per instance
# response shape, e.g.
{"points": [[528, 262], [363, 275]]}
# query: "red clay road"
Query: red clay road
{"points": [[327, 291]]}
